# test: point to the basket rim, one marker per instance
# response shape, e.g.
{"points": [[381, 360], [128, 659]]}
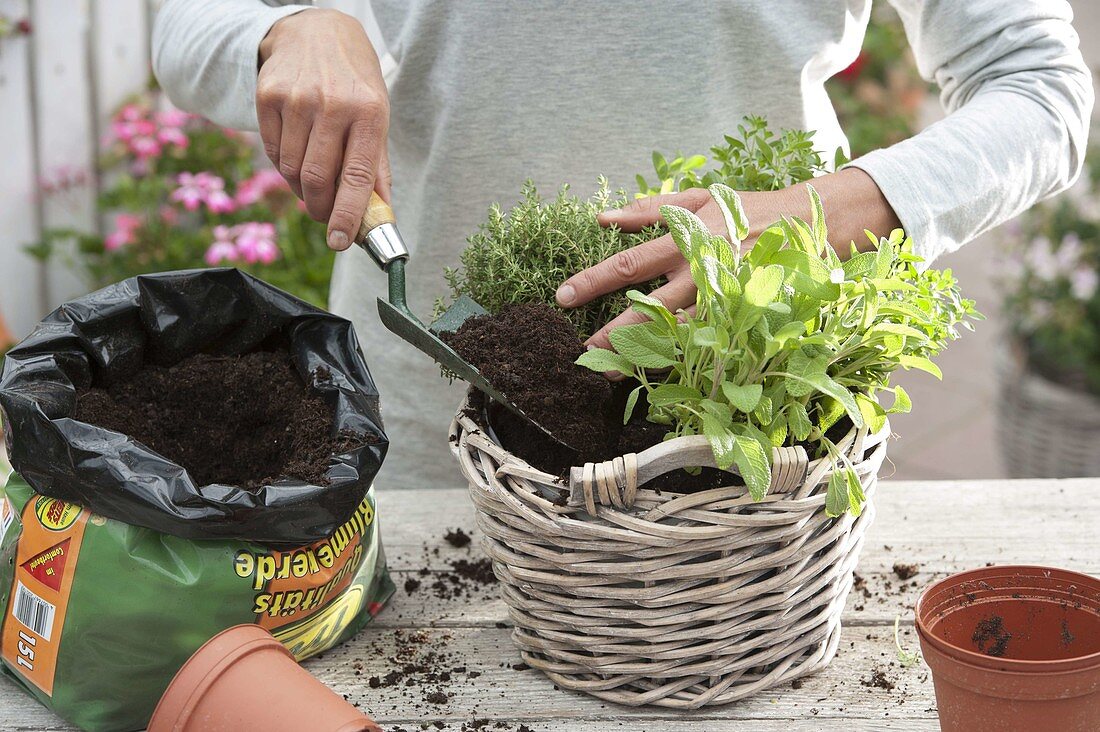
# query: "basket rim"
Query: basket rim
{"points": [[516, 463]]}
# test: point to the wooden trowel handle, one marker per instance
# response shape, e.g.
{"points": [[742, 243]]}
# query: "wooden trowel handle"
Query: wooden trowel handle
{"points": [[379, 235], [378, 213]]}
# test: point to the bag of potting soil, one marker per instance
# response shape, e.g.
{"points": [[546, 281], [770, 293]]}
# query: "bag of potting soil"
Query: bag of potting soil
{"points": [[116, 563]]}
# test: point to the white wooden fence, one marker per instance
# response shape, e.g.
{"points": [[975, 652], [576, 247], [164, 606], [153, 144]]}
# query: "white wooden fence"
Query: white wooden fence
{"points": [[57, 87]]}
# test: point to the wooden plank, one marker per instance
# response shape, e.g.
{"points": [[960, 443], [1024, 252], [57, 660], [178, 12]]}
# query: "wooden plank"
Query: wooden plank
{"points": [[837, 698], [21, 274], [841, 692], [64, 125], [120, 55]]}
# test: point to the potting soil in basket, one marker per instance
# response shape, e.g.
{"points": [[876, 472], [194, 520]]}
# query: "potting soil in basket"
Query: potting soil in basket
{"points": [[115, 562]]}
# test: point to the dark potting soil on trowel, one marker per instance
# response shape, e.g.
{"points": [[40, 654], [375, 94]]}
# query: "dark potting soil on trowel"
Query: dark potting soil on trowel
{"points": [[529, 353], [236, 420]]}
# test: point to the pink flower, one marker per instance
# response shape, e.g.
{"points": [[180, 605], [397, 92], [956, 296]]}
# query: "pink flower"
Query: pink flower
{"points": [[131, 113], [145, 147], [259, 186], [126, 130], [256, 242], [173, 118], [173, 136], [191, 190], [220, 202], [1083, 283], [1068, 252], [196, 188], [125, 226], [223, 248], [1041, 259]]}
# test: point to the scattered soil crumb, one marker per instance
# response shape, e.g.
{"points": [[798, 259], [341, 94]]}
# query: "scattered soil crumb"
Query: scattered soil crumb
{"points": [[798, 683], [878, 679], [991, 637], [437, 697], [412, 585], [1067, 637], [457, 538], [905, 571]]}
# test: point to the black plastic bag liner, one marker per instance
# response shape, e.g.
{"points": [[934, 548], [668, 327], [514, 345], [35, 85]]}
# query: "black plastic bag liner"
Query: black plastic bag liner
{"points": [[162, 319]]}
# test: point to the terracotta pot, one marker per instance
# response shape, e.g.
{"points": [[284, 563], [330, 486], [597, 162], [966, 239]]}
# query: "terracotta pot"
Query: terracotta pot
{"points": [[243, 679], [1014, 648]]}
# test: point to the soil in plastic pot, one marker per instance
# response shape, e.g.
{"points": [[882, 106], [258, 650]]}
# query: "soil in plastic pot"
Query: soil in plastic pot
{"points": [[1014, 648], [235, 420]]}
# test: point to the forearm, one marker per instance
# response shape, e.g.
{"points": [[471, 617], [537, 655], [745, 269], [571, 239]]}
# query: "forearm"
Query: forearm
{"points": [[1019, 97], [205, 55], [852, 201]]}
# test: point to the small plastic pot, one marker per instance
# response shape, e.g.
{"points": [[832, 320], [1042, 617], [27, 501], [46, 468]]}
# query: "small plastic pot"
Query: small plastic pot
{"points": [[1013, 648], [243, 679]]}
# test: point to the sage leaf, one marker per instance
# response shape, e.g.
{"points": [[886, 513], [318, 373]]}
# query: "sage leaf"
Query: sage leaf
{"points": [[836, 495], [744, 398], [667, 394], [603, 360], [643, 346]]}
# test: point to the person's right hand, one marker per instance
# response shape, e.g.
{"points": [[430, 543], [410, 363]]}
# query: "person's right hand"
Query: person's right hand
{"points": [[324, 113]]}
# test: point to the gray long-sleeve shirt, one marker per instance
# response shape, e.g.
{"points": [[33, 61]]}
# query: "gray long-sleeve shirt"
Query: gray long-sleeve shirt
{"points": [[485, 94]]}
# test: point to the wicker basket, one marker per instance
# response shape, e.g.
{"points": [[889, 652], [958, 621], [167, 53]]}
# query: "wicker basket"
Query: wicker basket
{"points": [[1046, 430], [678, 600]]}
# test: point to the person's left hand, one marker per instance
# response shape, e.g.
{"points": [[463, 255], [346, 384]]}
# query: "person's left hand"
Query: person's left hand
{"points": [[851, 199], [661, 256]]}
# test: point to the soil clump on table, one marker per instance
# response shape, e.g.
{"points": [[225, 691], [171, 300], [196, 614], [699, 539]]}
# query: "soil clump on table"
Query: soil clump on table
{"points": [[236, 420]]}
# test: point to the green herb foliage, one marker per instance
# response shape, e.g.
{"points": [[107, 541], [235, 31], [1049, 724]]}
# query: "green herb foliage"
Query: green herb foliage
{"points": [[756, 160], [524, 254], [785, 341]]}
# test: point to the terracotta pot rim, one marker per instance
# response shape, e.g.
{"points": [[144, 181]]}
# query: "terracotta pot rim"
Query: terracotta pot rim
{"points": [[182, 701], [996, 664]]}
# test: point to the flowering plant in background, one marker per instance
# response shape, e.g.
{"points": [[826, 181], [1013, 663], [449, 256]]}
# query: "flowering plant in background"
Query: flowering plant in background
{"points": [[1051, 281], [180, 193]]}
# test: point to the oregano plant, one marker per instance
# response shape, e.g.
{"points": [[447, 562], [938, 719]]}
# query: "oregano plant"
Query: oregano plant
{"points": [[756, 159], [785, 341]]}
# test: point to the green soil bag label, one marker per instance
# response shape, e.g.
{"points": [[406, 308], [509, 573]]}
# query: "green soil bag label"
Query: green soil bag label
{"points": [[99, 614]]}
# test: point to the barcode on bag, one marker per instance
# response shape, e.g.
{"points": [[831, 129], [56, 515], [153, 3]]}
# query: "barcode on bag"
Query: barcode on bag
{"points": [[32, 611]]}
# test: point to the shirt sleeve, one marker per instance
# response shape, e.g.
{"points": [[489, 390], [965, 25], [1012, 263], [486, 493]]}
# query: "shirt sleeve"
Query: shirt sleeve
{"points": [[1018, 96], [206, 55]]}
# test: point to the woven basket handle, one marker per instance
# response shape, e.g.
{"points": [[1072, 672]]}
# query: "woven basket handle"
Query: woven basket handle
{"points": [[615, 482]]}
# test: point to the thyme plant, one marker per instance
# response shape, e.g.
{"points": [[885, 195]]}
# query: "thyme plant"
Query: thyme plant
{"points": [[524, 254]]}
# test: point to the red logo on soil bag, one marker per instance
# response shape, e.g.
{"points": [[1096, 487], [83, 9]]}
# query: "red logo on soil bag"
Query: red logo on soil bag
{"points": [[55, 514], [49, 566]]}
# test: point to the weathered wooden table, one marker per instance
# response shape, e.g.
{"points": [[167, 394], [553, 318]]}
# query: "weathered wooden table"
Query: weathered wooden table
{"points": [[941, 527]]}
